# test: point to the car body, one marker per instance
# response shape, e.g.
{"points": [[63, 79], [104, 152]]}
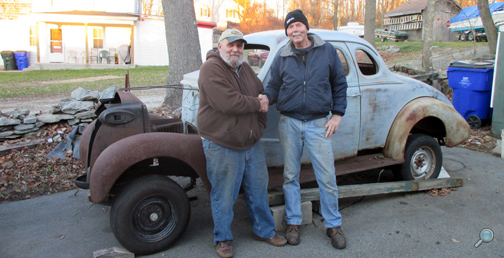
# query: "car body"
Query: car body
{"points": [[395, 35], [391, 121], [257, 57]]}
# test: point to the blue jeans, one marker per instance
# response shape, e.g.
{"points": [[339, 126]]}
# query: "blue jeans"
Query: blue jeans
{"points": [[227, 170], [294, 134]]}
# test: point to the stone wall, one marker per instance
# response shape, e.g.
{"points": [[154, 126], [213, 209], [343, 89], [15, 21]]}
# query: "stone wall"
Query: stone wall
{"points": [[77, 110]]}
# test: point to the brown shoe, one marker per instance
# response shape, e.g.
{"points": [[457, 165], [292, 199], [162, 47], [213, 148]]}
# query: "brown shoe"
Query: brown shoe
{"points": [[337, 237], [224, 249], [276, 240], [292, 234]]}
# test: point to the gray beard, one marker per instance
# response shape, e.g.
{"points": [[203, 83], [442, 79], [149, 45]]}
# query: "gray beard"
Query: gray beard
{"points": [[227, 59]]}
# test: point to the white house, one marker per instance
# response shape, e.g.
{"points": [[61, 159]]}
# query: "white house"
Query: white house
{"points": [[217, 11], [92, 31]]}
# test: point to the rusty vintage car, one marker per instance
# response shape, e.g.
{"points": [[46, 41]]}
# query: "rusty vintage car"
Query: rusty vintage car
{"points": [[392, 121]]}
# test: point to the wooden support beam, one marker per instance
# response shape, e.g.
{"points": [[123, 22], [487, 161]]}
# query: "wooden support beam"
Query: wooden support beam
{"points": [[346, 191]]}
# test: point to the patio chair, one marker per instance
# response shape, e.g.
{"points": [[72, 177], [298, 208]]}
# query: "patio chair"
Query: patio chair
{"points": [[94, 53], [104, 54], [112, 53], [82, 58], [71, 55]]}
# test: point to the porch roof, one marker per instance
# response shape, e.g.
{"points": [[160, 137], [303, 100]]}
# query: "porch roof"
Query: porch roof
{"points": [[86, 17]]}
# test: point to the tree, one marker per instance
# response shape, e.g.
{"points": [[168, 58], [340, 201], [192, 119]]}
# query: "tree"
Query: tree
{"points": [[488, 24], [427, 36], [335, 14], [370, 22], [183, 45]]}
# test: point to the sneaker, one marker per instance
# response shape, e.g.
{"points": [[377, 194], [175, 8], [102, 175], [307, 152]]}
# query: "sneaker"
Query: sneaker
{"points": [[337, 237], [276, 240], [292, 234], [224, 249]]}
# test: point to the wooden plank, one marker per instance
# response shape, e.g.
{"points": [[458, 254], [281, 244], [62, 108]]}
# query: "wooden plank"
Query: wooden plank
{"points": [[19, 146], [346, 191]]}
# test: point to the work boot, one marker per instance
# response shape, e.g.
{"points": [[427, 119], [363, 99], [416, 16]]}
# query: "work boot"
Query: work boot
{"points": [[337, 237], [276, 240], [292, 234], [224, 249]]}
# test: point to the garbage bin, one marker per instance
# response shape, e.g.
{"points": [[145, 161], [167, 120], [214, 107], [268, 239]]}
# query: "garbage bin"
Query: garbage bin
{"points": [[22, 59], [472, 89], [9, 60]]}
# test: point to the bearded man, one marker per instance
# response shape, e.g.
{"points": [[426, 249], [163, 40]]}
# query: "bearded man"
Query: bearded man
{"points": [[231, 122]]}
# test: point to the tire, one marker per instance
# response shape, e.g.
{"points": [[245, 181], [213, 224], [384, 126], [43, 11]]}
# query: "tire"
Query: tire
{"points": [[470, 37], [422, 159], [463, 37], [150, 214], [474, 122]]}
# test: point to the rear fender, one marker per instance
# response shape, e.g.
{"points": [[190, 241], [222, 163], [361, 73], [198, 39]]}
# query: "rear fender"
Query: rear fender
{"points": [[123, 154], [457, 129]]}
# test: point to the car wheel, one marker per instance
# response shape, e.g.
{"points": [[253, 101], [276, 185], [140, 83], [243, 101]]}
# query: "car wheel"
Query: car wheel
{"points": [[383, 39], [463, 37], [150, 214], [422, 159], [470, 37], [260, 63], [474, 122]]}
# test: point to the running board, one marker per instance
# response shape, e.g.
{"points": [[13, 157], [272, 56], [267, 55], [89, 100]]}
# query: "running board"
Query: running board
{"points": [[347, 191]]}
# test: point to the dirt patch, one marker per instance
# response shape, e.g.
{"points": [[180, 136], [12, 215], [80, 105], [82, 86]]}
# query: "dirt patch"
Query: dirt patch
{"points": [[89, 79]]}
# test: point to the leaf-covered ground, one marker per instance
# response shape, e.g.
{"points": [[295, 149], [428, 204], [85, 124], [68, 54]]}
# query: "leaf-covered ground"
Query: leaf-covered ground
{"points": [[27, 173]]}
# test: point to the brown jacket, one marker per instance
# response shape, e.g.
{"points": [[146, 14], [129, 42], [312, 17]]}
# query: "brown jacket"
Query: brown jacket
{"points": [[228, 112]]}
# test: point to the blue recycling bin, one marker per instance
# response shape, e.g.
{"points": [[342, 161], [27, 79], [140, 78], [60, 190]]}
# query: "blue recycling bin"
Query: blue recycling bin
{"points": [[22, 58], [471, 82]]}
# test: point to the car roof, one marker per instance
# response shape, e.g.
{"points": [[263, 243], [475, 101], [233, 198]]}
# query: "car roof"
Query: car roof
{"points": [[274, 38]]}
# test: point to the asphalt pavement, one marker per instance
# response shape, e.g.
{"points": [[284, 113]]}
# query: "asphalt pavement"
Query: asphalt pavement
{"points": [[392, 225]]}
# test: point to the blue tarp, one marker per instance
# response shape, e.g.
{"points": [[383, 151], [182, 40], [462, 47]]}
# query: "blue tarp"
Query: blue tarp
{"points": [[473, 12]]}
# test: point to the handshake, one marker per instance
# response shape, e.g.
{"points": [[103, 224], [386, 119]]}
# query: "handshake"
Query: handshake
{"points": [[263, 99]]}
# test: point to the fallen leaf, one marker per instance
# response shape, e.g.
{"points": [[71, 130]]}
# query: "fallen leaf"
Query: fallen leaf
{"points": [[455, 240]]}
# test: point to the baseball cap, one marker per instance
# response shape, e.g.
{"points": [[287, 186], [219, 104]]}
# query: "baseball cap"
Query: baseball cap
{"points": [[232, 35]]}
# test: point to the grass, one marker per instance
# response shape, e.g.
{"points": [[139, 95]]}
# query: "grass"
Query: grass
{"points": [[27, 84]]}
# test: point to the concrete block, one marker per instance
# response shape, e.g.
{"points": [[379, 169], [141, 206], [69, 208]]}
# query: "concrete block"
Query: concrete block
{"points": [[113, 252], [279, 215]]}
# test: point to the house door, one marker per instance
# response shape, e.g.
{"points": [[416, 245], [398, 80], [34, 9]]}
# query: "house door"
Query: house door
{"points": [[56, 44]]}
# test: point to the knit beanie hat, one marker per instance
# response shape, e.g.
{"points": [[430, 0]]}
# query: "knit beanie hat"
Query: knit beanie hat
{"points": [[295, 16]]}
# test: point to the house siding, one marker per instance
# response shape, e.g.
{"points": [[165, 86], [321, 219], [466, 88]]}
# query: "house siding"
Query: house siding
{"points": [[150, 43]]}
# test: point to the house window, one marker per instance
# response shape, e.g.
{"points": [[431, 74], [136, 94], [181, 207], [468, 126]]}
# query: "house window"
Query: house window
{"points": [[230, 13], [98, 38], [33, 36], [205, 12]]}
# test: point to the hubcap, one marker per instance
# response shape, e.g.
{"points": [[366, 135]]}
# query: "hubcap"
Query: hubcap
{"points": [[423, 163], [154, 219]]}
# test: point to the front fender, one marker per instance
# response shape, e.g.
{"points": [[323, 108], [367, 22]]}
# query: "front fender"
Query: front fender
{"points": [[121, 155], [457, 129]]}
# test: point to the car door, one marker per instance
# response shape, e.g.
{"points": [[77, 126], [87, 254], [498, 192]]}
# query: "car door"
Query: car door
{"points": [[381, 96]]}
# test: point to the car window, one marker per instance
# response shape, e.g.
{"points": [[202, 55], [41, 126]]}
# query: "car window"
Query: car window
{"points": [[255, 57], [367, 65], [344, 62]]}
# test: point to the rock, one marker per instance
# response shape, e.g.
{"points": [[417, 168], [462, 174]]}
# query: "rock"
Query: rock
{"points": [[30, 120], [55, 109], [108, 93], [8, 121], [50, 118], [6, 134], [22, 127], [71, 106], [83, 94], [16, 113], [113, 252], [73, 121], [86, 114]]}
